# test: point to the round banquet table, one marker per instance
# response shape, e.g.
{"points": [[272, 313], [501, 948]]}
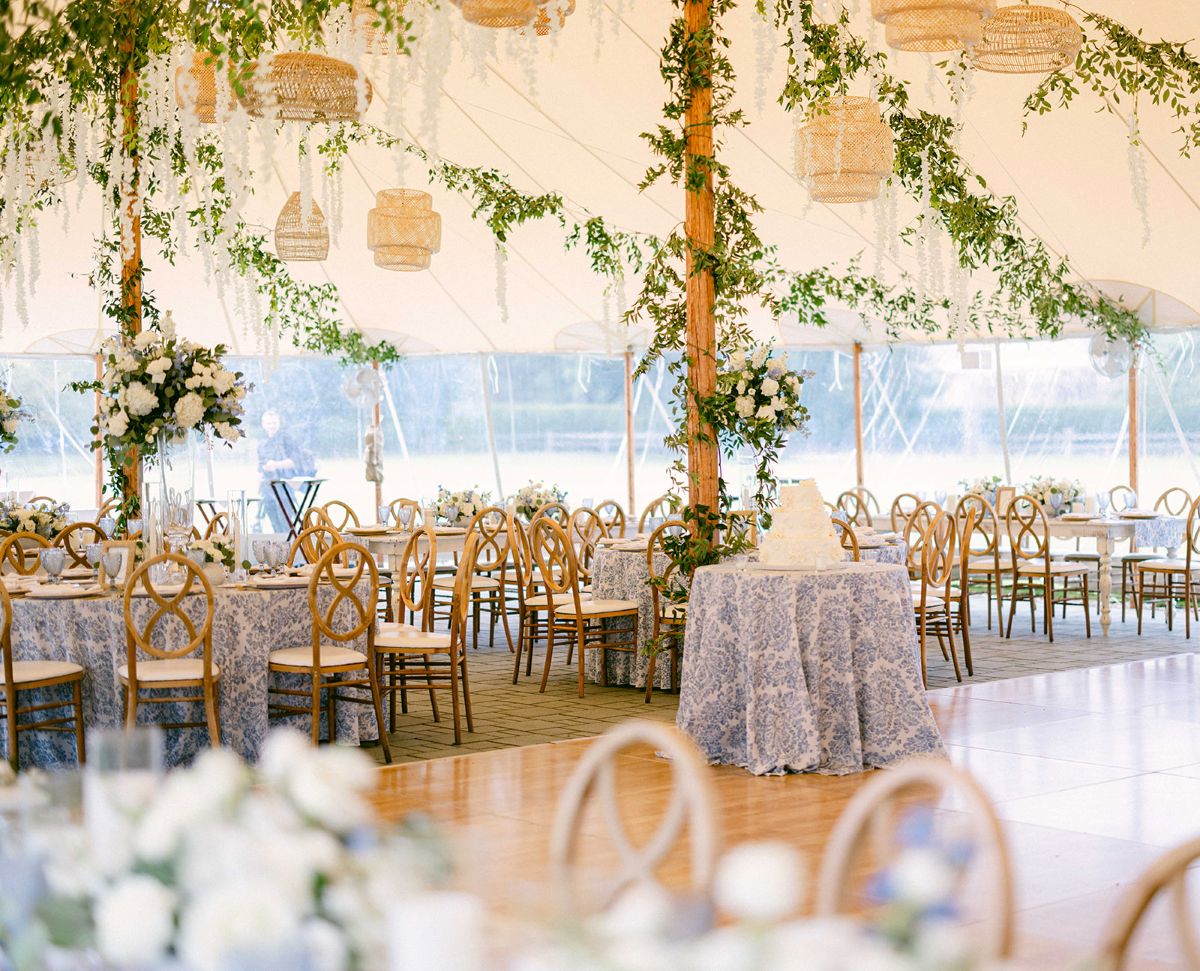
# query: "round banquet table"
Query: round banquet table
{"points": [[247, 625], [803, 671]]}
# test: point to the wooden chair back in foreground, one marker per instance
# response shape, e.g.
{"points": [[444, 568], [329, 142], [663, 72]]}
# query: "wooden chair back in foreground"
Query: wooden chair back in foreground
{"points": [[870, 818], [340, 514], [1174, 502], [1169, 873], [846, 536], [692, 803], [903, 506], [313, 543], [187, 664], [414, 579], [553, 510], [613, 517], [218, 525], [913, 534], [853, 507], [20, 553], [660, 508], [75, 539], [40, 677]]}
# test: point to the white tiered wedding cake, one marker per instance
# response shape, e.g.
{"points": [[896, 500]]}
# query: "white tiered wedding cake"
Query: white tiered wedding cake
{"points": [[801, 534]]}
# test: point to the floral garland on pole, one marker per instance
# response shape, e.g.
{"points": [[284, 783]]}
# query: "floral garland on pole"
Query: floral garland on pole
{"points": [[11, 416]]}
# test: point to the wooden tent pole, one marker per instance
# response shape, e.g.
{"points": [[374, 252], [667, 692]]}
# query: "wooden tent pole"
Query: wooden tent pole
{"points": [[858, 414], [377, 423], [699, 226], [1133, 426], [629, 442], [131, 242]]}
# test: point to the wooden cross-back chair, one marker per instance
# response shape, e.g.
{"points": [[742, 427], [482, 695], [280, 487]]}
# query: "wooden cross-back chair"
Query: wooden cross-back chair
{"points": [[933, 593], [340, 514], [334, 667], [585, 529], [613, 517], [413, 578], [74, 540], [1029, 538], [313, 543], [903, 506], [533, 601], [668, 613], [1122, 497], [846, 536], [660, 508], [1186, 571], [582, 624], [219, 525], [553, 510], [186, 666], [20, 553], [410, 508], [869, 824], [980, 546], [692, 804], [1175, 501], [913, 534], [41, 675], [427, 659], [853, 507], [486, 589]]}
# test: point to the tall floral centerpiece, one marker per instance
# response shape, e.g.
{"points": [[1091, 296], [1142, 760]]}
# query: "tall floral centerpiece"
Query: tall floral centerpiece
{"points": [[46, 519], [985, 486], [460, 507], [11, 416], [1054, 495], [531, 497], [155, 391]]}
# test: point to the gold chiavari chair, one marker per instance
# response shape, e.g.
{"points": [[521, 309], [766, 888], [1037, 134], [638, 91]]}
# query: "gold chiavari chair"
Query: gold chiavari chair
{"points": [[326, 666], [668, 612], [410, 507], [869, 825], [580, 623], [613, 517], [585, 530], [1176, 501], [486, 590], [1029, 537], [981, 549], [313, 543], [661, 508], [533, 599], [187, 666], [74, 540], [340, 514], [931, 600], [442, 657], [21, 677], [1186, 570], [854, 508], [903, 507], [846, 535], [414, 585], [20, 553], [913, 534], [554, 510], [1167, 874], [217, 526]]}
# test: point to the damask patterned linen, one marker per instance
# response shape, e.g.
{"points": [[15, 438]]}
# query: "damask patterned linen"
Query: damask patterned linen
{"points": [[804, 671], [247, 626], [887, 553], [624, 575], [1165, 532]]}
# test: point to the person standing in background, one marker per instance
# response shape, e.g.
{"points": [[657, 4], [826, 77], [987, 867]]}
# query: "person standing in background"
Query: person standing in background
{"points": [[280, 456]]}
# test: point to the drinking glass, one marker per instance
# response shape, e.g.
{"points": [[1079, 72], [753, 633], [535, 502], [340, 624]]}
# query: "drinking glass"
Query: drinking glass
{"points": [[112, 561], [133, 527], [940, 497], [93, 552], [1056, 501], [1102, 503], [385, 513], [53, 561], [452, 515], [108, 524], [405, 516], [1130, 500], [259, 548]]}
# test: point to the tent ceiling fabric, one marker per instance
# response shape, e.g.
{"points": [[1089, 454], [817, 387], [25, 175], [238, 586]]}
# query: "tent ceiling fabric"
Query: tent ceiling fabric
{"points": [[577, 133]]}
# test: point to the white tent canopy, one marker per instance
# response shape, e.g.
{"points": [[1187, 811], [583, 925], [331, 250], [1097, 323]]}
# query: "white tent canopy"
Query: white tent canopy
{"points": [[577, 132]]}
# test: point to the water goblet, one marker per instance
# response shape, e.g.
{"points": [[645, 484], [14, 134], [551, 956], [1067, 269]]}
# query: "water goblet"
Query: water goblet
{"points": [[133, 527], [1056, 501], [53, 561], [385, 513], [258, 548], [405, 516], [452, 515], [1130, 500], [108, 525], [93, 552], [112, 561], [1102, 503], [279, 555], [940, 497]]}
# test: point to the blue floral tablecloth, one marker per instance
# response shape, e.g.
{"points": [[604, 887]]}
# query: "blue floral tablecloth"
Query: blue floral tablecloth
{"points": [[625, 575], [247, 626], [887, 553], [804, 671]]}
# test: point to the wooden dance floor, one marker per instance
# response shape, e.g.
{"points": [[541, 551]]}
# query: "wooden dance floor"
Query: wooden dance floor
{"points": [[1094, 771]]}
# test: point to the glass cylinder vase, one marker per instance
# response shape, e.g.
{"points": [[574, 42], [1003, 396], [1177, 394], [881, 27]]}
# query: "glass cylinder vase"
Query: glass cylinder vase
{"points": [[176, 469]]}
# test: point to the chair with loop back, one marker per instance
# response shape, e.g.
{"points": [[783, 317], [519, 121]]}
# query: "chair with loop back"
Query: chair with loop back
{"points": [[410, 508], [557, 511], [314, 517], [533, 598], [156, 660], [438, 660], [846, 536], [669, 589], [658, 509], [582, 624], [613, 517], [902, 509], [109, 506], [340, 515], [313, 543], [37, 499], [1029, 538], [75, 540], [692, 803], [218, 526], [20, 553], [913, 534], [1186, 571], [586, 530], [44, 677], [334, 667], [873, 815], [854, 508], [932, 595], [980, 547], [1173, 502], [487, 589]]}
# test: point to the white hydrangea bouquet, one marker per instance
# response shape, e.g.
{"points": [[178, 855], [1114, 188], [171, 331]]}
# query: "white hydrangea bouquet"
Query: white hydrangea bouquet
{"points": [[46, 519], [221, 866], [212, 550], [1055, 495], [460, 507], [759, 395], [530, 498], [985, 486], [11, 416], [162, 385]]}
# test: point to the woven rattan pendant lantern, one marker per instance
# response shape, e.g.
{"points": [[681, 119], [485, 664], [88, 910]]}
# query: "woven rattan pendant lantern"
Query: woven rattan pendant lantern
{"points": [[369, 27], [403, 231], [196, 87], [301, 86], [844, 150], [293, 240], [543, 24], [1028, 40], [933, 25], [498, 14]]}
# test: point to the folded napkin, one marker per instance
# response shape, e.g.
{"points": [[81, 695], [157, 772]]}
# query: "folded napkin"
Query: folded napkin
{"points": [[61, 590]]}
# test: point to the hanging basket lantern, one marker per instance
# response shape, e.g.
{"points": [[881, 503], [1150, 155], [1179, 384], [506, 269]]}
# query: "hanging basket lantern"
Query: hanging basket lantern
{"points": [[498, 14], [543, 24], [293, 240], [369, 27], [301, 86], [196, 88], [1028, 40], [39, 175], [844, 150], [933, 25], [403, 231]]}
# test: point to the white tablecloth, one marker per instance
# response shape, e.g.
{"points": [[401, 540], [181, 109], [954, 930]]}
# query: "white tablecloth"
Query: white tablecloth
{"points": [[804, 671], [247, 626]]}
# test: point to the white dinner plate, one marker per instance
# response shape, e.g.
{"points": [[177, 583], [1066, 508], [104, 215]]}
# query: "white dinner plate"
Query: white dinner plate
{"points": [[631, 548], [1077, 517], [61, 591], [366, 530], [78, 573], [1139, 514], [277, 583]]}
